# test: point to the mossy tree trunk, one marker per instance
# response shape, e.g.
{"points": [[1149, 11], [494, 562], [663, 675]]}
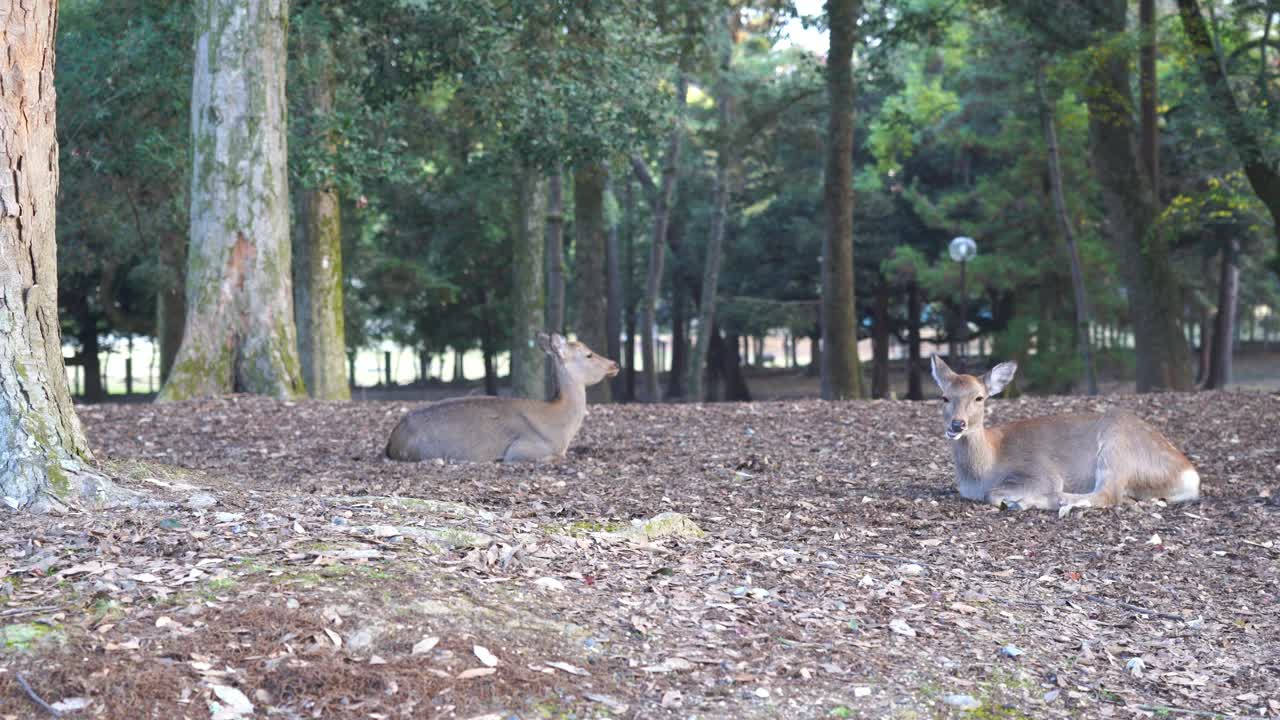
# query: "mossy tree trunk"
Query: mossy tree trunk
{"points": [[317, 260], [240, 334], [841, 370], [590, 274], [528, 290], [44, 457]]}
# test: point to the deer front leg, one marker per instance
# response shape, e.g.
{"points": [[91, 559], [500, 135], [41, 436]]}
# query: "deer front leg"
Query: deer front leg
{"points": [[524, 449], [1025, 493]]}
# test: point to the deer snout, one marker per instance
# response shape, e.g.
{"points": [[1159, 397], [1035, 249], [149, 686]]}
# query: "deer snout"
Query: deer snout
{"points": [[613, 369], [956, 428]]}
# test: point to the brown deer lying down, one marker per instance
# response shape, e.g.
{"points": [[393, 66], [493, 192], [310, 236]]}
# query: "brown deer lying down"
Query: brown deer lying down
{"points": [[1058, 462], [481, 429]]}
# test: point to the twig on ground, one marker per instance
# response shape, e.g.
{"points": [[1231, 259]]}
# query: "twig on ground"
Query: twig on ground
{"points": [[15, 612], [1135, 608], [36, 698], [1198, 713], [895, 558]]}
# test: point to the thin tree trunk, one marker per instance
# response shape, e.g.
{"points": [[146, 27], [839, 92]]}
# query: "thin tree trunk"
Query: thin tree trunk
{"points": [[317, 262], [1263, 176], [44, 458], [1224, 324], [658, 243], [554, 259], [458, 373], [719, 213], [171, 299], [735, 385], [614, 301], [589, 265], [628, 277], [880, 343], [240, 334], [1149, 144], [528, 298], [842, 372], [915, 390], [1083, 313], [1154, 307], [679, 340]]}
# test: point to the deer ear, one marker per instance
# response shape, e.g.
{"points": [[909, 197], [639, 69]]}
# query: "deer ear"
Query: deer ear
{"points": [[559, 344], [999, 376], [544, 342], [942, 374]]}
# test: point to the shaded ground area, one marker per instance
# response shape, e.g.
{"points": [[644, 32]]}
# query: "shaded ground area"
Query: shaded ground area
{"points": [[836, 574]]}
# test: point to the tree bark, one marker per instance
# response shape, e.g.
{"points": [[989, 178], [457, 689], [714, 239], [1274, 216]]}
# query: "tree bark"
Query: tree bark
{"points": [[590, 274], [880, 343], [915, 390], [841, 369], [90, 364], [554, 258], [528, 298], [735, 385], [1154, 307], [614, 302], [1224, 323], [45, 460], [171, 300], [628, 273], [240, 334], [719, 213], [317, 261], [662, 195], [1263, 176], [1083, 314], [1149, 145], [679, 339]]}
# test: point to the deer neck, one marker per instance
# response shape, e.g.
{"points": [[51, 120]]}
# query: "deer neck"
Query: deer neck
{"points": [[975, 456], [570, 402]]}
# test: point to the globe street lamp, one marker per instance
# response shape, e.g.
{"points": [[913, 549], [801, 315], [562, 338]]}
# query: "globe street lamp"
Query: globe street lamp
{"points": [[963, 249]]}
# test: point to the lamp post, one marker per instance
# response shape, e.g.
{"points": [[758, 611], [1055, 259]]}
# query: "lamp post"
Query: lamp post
{"points": [[963, 249]]}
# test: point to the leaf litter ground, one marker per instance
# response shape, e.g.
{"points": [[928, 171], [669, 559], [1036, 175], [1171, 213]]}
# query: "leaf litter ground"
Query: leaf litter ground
{"points": [[829, 570]]}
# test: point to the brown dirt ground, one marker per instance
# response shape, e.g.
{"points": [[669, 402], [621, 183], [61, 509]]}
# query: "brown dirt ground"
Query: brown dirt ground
{"points": [[827, 527]]}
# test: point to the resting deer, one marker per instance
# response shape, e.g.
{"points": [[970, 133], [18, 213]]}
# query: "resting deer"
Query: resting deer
{"points": [[509, 429], [1058, 462]]}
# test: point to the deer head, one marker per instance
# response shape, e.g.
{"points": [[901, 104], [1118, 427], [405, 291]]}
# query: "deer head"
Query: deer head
{"points": [[964, 396]]}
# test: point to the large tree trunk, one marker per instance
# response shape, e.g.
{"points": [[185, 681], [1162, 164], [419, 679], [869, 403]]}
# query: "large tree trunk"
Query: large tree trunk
{"points": [[614, 302], [528, 297], [719, 213], [1154, 301], [317, 259], [590, 275], [171, 300], [1083, 315], [662, 195], [44, 458], [915, 390], [880, 343], [841, 370], [240, 334], [1263, 176], [1224, 324]]}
